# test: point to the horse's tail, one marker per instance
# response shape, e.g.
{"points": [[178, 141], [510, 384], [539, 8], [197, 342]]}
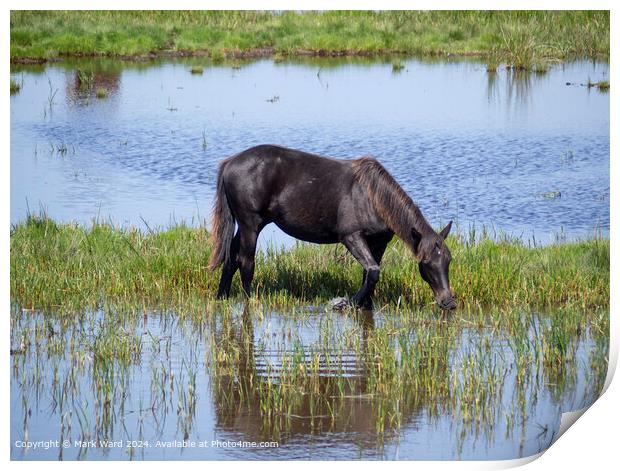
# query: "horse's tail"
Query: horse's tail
{"points": [[223, 224]]}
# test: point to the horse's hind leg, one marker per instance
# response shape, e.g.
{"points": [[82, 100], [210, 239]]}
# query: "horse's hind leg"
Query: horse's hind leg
{"points": [[229, 268], [247, 253]]}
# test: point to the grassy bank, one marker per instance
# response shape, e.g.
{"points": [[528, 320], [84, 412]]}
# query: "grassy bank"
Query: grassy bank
{"points": [[68, 266], [520, 39]]}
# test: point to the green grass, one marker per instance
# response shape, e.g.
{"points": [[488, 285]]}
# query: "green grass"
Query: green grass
{"points": [[540, 68], [69, 266], [102, 92], [518, 38], [603, 85]]}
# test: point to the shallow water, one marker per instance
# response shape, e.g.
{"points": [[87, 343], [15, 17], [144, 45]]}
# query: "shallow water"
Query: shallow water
{"points": [[202, 378], [524, 154]]}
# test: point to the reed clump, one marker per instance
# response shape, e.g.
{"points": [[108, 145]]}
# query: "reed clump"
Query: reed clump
{"points": [[102, 93], [398, 67], [603, 85], [15, 87]]}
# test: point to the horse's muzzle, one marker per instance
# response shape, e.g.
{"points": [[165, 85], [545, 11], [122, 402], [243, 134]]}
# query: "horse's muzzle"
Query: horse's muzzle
{"points": [[447, 304]]}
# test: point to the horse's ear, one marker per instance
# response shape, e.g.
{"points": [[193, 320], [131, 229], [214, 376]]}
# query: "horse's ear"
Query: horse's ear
{"points": [[416, 237], [445, 231]]}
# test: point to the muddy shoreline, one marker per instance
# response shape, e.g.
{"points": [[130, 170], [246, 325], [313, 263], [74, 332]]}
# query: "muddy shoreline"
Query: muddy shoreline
{"points": [[255, 53]]}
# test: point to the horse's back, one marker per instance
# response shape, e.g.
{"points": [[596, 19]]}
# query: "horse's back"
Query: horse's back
{"points": [[277, 168], [271, 156]]}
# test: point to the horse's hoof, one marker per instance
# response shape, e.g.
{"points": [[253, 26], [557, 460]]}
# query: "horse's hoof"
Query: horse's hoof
{"points": [[365, 304], [340, 304]]}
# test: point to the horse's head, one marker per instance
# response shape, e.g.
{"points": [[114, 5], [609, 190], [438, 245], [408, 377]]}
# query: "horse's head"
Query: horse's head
{"points": [[434, 260]]}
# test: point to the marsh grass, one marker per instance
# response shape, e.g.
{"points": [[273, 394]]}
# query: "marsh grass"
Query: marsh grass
{"points": [[115, 331], [603, 85], [519, 47], [398, 67], [493, 62], [520, 36], [60, 265], [15, 87], [218, 56], [540, 68], [102, 93]]}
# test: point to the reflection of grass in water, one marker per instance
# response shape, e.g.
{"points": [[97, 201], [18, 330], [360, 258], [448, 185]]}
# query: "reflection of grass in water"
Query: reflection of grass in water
{"points": [[407, 363], [68, 265], [85, 78]]}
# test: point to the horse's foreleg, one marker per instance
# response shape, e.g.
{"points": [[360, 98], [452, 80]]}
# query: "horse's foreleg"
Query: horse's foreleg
{"points": [[229, 269], [357, 245]]}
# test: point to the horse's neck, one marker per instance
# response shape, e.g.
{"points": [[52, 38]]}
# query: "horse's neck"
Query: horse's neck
{"points": [[418, 223]]}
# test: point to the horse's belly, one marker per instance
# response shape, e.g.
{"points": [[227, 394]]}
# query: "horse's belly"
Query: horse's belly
{"points": [[314, 235]]}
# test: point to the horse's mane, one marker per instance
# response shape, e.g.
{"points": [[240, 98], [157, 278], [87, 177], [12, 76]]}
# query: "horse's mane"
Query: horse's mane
{"points": [[390, 201]]}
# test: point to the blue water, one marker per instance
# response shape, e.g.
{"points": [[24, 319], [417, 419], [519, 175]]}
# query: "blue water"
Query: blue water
{"points": [[483, 149]]}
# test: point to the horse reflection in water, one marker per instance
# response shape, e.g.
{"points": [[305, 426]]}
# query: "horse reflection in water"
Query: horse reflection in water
{"points": [[265, 394]]}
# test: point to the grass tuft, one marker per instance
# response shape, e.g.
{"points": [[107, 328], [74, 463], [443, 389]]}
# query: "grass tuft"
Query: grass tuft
{"points": [[15, 87], [398, 67], [603, 85], [102, 92]]}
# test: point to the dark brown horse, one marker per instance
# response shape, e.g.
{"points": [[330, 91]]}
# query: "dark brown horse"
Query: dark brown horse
{"points": [[322, 200]]}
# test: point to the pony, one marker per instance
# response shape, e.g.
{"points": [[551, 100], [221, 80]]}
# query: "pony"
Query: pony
{"points": [[325, 201]]}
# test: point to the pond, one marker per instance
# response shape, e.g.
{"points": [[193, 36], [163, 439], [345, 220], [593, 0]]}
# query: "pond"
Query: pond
{"points": [[518, 153], [310, 384]]}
